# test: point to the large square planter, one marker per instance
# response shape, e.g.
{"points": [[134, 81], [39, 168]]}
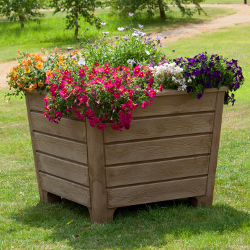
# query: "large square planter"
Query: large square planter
{"points": [[170, 152]]}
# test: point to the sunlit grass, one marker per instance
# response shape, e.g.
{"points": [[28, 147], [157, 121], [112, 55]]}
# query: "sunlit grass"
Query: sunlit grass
{"points": [[51, 31]]}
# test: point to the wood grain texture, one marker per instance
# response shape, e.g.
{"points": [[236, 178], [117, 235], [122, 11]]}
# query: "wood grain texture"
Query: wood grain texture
{"points": [[64, 169], [157, 149], [43, 196], [36, 101], [177, 104], [156, 171], [61, 147], [167, 92], [162, 127], [208, 198], [65, 189], [68, 128], [155, 192], [99, 212]]}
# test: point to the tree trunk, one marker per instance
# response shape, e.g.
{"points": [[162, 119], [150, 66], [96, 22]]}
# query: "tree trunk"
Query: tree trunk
{"points": [[21, 17], [162, 11]]}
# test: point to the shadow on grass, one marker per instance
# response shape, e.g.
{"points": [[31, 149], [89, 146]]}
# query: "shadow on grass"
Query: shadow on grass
{"points": [[133, 227]]}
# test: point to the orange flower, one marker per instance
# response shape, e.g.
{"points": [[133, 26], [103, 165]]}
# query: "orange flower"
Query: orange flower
{"points": [[40, 84], [31, 87], [61, 58], [74, 52], [49, 72], [39, 65], [27, 55], [32, 54], [27, 70], [41, 50], [20, 85], [18, 52], [37, 58], [55, 48]]}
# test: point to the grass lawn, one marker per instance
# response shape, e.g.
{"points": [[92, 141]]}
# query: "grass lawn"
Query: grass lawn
{"points": [[51, 31], [225, 1], [27, 223]]}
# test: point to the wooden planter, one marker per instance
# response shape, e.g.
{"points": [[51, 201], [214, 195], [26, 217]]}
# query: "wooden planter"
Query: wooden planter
{"points": [[170, 152]]}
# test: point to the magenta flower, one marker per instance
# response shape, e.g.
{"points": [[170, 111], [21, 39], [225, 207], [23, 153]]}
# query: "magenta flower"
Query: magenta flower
{"points": [[141, 74], [81, 73], [116, 126], [144, 105], [117, 95], [101, 126]]}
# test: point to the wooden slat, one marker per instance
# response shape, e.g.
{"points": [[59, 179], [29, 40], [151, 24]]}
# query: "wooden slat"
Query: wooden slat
{"points": [[126, 196], [157, 149], [208, 198], [61, 147], [43, 195], [162, 127], [68, 128], [177, 104], [64, 169], [36, 101], [156, 171], [99, 211], [167, 92], [65, 189]]}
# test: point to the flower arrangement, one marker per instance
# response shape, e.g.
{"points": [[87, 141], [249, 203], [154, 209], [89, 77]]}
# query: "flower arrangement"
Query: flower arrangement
{"points": [[109, 79]]}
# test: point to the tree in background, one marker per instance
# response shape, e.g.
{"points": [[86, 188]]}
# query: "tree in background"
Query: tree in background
{"points": [[153, 6], [75, 9], [21, 10]]}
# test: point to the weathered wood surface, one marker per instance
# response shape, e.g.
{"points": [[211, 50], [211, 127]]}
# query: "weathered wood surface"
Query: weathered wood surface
{"points": [[36, 101], [43, 195], [156, 171], [68, 128], [161, 127], [154, 192], [67, 149], [64, 169], [208, 198], [65, 189], [99, 211], [179, 104], [157, 149]]}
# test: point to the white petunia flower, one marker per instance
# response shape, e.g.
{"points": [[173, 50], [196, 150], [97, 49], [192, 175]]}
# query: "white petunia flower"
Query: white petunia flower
{"points": [[121, 29]]}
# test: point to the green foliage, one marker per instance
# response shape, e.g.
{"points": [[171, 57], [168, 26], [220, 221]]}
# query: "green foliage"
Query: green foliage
{"points": [[75, 9], [21, 10], [130, 47], [153, 6]]}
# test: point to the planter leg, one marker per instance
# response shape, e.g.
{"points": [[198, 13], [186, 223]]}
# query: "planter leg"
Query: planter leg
{"points": [[98, 216], [200, 201], [49, 197]]}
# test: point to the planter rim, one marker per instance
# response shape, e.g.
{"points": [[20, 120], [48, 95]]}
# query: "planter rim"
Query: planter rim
{"points": [[164, 92]]}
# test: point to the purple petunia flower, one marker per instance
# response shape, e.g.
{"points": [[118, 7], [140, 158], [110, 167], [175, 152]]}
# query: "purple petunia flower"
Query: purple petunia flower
{"points": [[199, 95], [126, 38], [158, 38], [140, 26], [130, 14], [208, 85]]}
